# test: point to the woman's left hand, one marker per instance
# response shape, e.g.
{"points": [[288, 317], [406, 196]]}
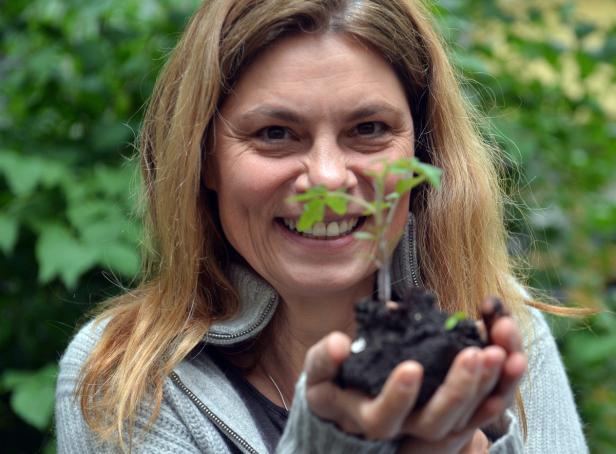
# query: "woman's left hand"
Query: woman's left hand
{"points": [[479, 386], [470, 442]]}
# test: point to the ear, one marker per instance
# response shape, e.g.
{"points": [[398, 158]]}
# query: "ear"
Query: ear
{"points": [[209, 165], [209, 174]]}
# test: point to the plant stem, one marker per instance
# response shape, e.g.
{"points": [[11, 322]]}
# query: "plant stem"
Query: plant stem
{"points": [[356, 200], [383, 282]]}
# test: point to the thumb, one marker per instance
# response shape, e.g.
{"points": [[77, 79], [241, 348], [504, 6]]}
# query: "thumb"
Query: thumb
{"points": [[479, 444], [324, 358]]}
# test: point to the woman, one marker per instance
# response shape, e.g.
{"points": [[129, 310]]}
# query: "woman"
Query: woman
{"points": [[240, 315]]}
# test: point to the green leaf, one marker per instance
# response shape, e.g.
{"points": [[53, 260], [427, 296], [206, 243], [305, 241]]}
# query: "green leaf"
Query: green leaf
{"points": [[312, 193], [59, 253], [362, 235], [9, 227], [24, 173], [314, 211], [337, 204], [122, 258], [453, 320], [406, 184], [32, 394], [432, 173]]}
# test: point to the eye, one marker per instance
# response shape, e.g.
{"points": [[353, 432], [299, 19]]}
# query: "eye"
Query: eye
{"points": [[370, 128], [274, 133]]}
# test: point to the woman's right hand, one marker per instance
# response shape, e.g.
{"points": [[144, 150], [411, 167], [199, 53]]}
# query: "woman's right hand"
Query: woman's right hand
{"points": [[478, 388]]}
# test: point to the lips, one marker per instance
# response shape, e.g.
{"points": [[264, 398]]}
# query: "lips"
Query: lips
{"points": [[325, 230]]}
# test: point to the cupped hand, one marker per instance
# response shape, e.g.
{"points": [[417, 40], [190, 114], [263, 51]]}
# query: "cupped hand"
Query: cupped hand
{"points": [[478, 388]]}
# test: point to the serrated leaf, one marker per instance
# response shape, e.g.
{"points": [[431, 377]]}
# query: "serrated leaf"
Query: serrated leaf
{"points": [[24, 173], [432, 173], [305, 197], [9, 228], [453, 320], [368, 211], [33, 394], [121, 258], [314, 192], [337, 204], [314, 211], [400, 167], [406, 184], [364, 236], [60, 254]]}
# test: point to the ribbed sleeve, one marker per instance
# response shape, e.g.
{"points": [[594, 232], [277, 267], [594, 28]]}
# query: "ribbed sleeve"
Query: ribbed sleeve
{"points": [[307, 433], [553, 421], [167, 436]]}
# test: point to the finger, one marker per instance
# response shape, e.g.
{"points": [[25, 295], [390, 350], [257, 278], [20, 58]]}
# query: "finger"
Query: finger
{"points": [[504, 395], [479, 444], [491, 310], [493, 360], [451, 400], [324, 358], [331, 403], [513, 371], [451, 444], [506, 334], [382, 417]]}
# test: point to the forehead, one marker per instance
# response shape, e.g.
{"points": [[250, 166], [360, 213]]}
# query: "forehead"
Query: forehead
{"points": [[324, 68]]}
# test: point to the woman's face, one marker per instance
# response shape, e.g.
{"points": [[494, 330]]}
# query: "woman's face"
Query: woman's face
{"points": [[312, 109]]}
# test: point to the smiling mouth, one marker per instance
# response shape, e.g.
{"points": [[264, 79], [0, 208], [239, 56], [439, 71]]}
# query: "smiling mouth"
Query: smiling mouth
{"points": [[325, 230]]}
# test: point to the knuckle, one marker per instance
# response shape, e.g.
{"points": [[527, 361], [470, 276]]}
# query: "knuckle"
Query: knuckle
{"points": [[456, 396], [310, 357], [437, 434], [375, 427], [430, 430]]}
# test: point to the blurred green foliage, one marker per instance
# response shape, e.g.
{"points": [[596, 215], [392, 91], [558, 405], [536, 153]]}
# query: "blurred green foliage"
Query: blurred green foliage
{"points": [[74, 77]]}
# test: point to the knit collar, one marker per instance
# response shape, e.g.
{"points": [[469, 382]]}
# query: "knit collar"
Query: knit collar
{"points": [[258, 300]]}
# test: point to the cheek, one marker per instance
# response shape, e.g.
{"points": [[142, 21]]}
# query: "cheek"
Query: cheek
{"points": [[253, 185], [402, 213]]}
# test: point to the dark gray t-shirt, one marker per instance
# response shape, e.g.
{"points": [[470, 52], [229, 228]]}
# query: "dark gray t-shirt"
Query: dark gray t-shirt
{"points": [[269, 417]]}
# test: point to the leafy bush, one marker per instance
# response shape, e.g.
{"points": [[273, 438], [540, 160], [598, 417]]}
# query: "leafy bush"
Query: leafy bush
{"points": [[75, 76]]}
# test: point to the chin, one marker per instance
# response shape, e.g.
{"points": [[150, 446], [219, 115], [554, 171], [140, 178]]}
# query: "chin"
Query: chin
{"points": [[329, 283]]}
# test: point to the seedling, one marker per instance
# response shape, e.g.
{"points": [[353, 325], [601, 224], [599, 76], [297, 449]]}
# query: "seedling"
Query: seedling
{"points": [[408, 173], [389, 332], [453, 320]]}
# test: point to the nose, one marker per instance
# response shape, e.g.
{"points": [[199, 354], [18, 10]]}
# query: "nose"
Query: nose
{"points": [[328, 166]]}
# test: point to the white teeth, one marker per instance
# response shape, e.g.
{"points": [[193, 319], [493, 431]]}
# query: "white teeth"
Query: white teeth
{"points": [[321, 229], [333, 229]]}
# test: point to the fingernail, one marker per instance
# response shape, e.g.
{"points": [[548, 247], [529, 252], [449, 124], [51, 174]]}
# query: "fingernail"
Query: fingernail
{"points": [[472, 362], [407, 380]]}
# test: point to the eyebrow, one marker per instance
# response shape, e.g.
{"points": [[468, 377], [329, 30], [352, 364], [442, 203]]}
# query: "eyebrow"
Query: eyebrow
{"points": [[278, 113], [287, 115], [370, 109]]}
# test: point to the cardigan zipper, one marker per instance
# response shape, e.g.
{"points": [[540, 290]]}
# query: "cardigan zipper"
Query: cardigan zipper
{"points": [[414, 264], [212, 416], [264, 314]]}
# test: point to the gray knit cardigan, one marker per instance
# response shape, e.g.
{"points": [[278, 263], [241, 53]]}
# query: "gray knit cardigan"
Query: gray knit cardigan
{"points": [[201, 408]]}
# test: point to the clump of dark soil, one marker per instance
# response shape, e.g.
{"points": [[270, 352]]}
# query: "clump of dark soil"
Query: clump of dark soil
{"points": [[413, 328]]}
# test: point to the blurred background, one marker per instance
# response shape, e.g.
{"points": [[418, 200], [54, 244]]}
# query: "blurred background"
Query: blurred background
{"points": [[74, 78]]}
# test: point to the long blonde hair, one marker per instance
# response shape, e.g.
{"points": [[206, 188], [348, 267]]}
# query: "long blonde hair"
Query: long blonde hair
{"points": [[461, 237]]}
